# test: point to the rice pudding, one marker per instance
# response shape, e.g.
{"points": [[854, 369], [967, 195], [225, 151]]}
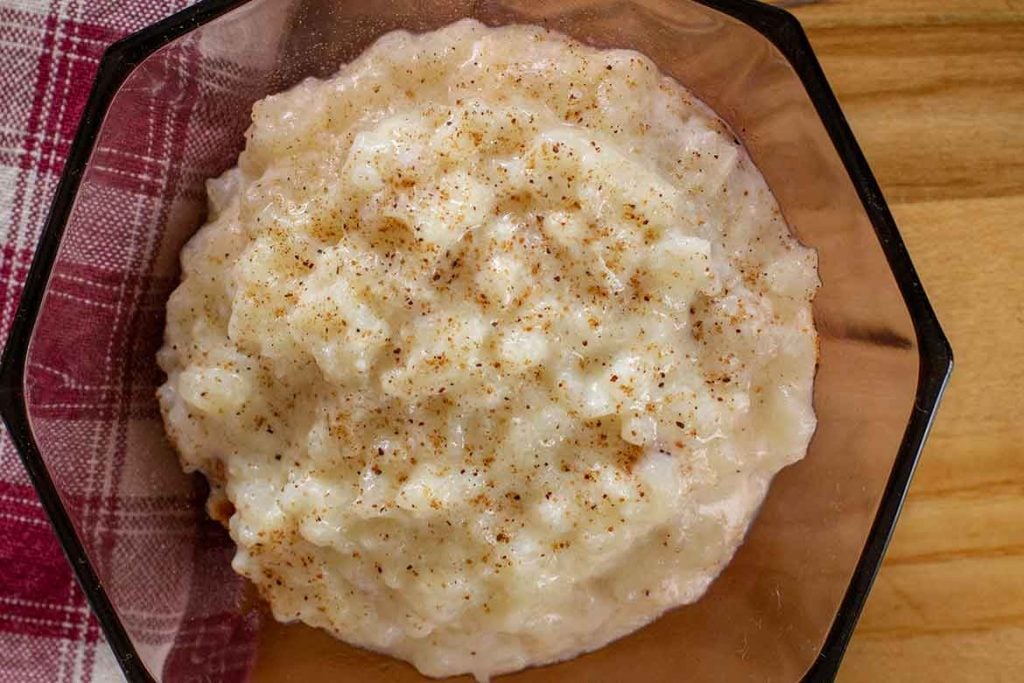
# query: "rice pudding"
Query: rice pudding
{"points": [[489, 349]]}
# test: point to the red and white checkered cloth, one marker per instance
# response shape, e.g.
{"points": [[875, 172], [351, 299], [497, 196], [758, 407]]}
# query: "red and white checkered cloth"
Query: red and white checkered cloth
{"points": [[49, 51]]}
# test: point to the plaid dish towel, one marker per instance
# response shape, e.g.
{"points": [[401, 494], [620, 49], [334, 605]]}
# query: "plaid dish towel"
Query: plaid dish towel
{"points": [[49, 51]]}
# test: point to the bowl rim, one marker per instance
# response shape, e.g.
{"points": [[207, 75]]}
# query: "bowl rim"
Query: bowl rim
{"points": [[777, 25]]}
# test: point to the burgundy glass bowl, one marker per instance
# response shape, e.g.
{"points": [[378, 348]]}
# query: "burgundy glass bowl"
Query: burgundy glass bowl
{"points": [[168, 110]]}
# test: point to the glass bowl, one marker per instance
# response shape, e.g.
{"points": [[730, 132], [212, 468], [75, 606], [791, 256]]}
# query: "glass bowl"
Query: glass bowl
{"points": [[168, 110]]}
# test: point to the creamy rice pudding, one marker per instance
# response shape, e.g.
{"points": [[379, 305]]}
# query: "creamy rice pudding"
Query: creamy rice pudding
{"points": [[490, 348]]}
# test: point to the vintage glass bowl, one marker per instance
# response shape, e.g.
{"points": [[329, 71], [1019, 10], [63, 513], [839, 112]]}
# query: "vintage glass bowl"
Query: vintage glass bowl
{"points": [[168, 110]]}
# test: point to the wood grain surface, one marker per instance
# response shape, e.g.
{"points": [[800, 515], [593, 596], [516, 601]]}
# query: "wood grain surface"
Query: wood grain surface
{"points": [[934, 90]]}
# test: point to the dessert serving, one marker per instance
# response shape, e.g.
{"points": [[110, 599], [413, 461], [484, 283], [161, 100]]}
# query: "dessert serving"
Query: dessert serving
{"points": [[489, 349]]}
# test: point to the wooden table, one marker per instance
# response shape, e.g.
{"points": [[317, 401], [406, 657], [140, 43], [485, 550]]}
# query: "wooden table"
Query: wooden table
{"points": [[934, 90]]}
